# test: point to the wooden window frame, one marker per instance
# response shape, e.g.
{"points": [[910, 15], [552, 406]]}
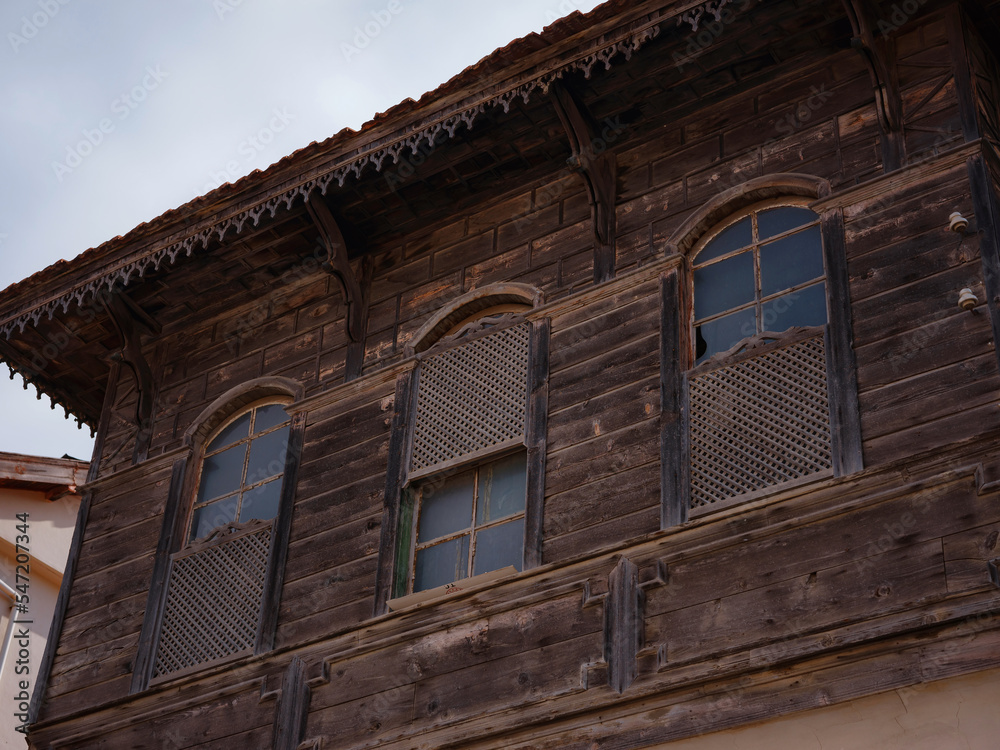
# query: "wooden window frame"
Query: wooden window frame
{"points": [[184, 480], [408, 545], [394, 560], [676, 318]]}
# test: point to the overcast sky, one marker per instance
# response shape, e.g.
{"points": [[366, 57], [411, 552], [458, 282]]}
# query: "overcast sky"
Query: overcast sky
{"points": [[114, 111]]}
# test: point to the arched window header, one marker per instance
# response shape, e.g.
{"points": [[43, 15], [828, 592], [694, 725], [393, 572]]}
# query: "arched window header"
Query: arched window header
{"points": [[501, 297], [237, 399], [789, 187]]}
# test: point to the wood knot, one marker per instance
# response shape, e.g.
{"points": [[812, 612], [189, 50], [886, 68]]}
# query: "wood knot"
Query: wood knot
{"points": [[884, 590], [991, 540]]}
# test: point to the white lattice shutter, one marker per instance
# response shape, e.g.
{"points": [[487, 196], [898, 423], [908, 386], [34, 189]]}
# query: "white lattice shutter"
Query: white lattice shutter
{"points": [[759, 422], [471, 399]]}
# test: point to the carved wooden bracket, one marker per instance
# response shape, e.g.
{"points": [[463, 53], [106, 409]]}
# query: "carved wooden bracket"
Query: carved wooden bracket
{"points": [[338, 264], [877, 54], [599, 169], [129, 319]]}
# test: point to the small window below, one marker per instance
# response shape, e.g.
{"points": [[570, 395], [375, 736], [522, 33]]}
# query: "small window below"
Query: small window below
{"points": [[467, 523]]}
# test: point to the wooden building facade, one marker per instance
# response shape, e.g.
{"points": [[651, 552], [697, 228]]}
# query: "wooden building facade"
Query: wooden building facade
{"points": [[634, 385]]}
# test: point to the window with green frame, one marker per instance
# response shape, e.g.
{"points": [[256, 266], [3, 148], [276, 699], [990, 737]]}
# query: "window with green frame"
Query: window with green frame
{"points": [[464, 523], [463, 506]]}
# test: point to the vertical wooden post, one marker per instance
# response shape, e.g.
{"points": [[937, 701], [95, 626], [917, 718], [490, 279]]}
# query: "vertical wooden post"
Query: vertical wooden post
{"points": [[673, 459], [987, 207], [535, 434], [842, 376], [962, 70], [171, 534], [279, 538], [623, 625], [394, 476], [293, 707]]}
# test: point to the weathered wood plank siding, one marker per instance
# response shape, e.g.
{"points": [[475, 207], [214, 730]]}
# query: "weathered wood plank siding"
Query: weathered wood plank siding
{"points": [[781, 603]]}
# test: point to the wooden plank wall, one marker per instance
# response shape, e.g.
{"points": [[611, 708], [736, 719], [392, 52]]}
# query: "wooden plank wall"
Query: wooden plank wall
{"points": [[914, 347]]}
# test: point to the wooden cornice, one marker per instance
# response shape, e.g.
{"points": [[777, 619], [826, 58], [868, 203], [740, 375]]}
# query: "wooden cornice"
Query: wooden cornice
{"points": [[378, 146]]}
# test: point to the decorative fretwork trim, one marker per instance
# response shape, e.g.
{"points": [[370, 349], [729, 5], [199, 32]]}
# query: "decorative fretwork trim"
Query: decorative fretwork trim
{"points": [[693, 16], [601, 50]]}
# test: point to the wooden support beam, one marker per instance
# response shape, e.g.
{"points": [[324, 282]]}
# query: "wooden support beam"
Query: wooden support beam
{"points": [[356, 349], [337, 263], [674, 481], [878, 53], [128, 318], [599, 169]]}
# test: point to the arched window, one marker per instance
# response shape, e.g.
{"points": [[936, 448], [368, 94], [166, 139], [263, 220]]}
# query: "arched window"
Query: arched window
{"points": [[759, 273], [759, 384], [469, 486], [216, 577], [242, 470]]}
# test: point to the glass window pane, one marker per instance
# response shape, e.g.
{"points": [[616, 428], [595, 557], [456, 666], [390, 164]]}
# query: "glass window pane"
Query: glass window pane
{"points": [[729, 239], [723, 285], [267, 455], [212, 516], [721, 334], [791, 261], [777, 220], [499, 546], [222, 473], [239, 428], [261, 502], [441, 564], [269, 416], [501, 488], [445, 506], [806, 307]]}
